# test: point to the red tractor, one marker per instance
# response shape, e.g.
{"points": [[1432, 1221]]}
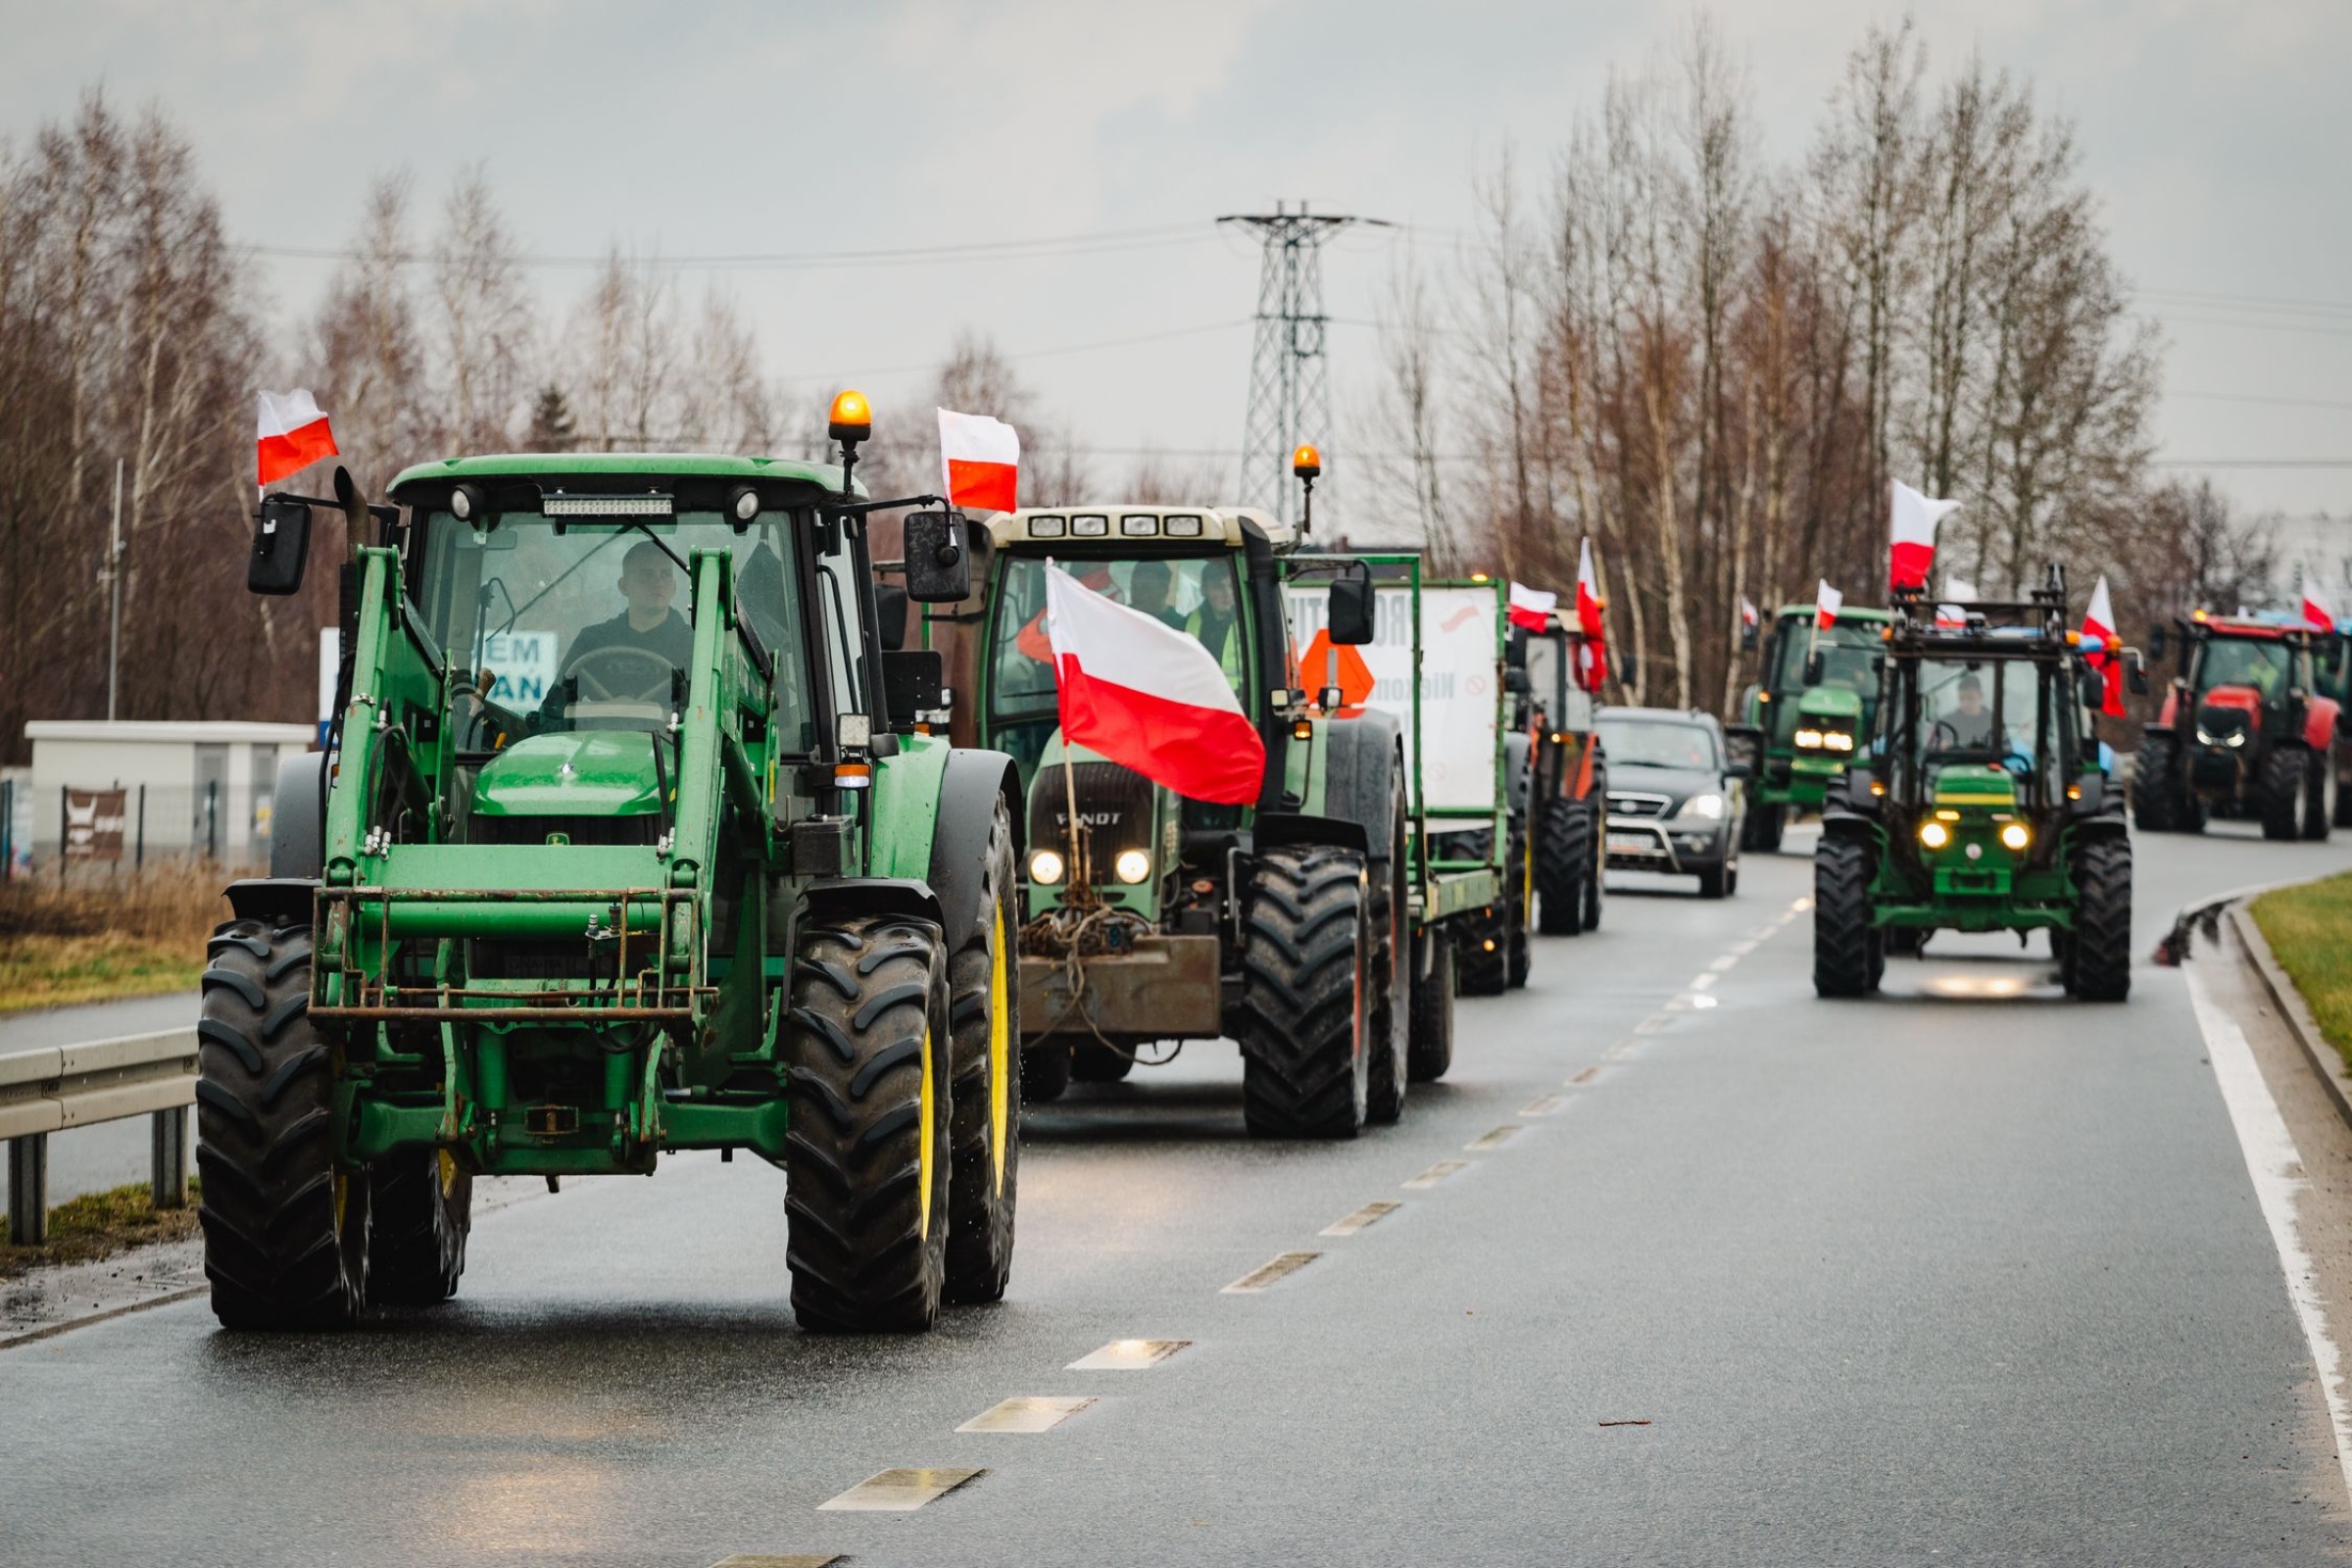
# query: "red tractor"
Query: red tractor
{"points": [[1565, 776], [2244, 732]]}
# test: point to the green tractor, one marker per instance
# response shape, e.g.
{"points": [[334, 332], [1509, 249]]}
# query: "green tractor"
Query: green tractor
{"points": [[1310, 925], [1978, 802], [624, 842], [1815, 703]]}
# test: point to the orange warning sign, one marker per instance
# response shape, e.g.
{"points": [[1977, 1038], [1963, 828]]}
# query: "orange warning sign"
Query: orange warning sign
{"points": [[1351, 674]]}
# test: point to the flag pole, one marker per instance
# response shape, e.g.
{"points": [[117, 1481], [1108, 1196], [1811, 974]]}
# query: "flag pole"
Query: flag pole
{"points": [[114, 572], [1078, 879]]}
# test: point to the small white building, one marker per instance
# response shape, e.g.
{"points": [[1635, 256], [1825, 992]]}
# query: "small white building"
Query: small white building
{"points": [[201, 787]]}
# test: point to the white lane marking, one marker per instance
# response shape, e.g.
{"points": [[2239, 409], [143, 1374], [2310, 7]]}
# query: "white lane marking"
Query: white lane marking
{"points": [[1027, 1412], [1279, 1267], [900, 1490], [1438, 1173], [1705, 982], [1127, 1356], [1347, 1225], [1495, 1139], [2278, 1172], [1542, 1106], [1797, 908], [1739, 950], [1704, 1002]]}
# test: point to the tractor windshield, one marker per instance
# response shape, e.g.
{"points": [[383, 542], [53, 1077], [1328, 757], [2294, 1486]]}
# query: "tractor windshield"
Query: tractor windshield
{"points": [[2015, 713], [2244, 661], [592, 627]]}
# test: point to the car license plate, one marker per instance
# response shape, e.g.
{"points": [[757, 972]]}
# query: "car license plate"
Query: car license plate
{"points": [[1632, 844]]}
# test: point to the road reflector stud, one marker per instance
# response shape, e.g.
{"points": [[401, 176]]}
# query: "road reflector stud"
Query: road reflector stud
{"points": [[1267, 1273], [1026, 1412], [1541, 1105], [1493, 1139], [1360, 1218], [1436, 1173], [1127, 1356], [900, 1490]]}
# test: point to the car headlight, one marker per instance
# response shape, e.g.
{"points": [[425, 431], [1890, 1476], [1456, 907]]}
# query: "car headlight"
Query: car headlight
{"points": [[1934, 834], [1045, 866], [2016, 835], [1709, 805], [1809, 740], [1837, 740], [1131, 866]]}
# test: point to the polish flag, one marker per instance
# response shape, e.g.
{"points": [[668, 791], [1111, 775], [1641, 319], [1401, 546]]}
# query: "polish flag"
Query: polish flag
{"points": [[1748, 615], [1149, 698], [2098, 622], [979, 462], [294, 434], [1827, 601], [2318, 613], [1593, 662], [1914, 530], [1532, 607]]}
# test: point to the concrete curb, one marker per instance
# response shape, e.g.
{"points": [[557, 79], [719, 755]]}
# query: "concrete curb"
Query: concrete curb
{"points": [[2326, 1062]]}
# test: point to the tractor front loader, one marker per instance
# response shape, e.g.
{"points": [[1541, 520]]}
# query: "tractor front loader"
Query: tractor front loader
{"points": [[617, 848]]}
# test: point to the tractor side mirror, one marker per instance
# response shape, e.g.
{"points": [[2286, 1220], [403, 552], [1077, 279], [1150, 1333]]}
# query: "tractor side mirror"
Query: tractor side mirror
{"points": [[2089, 689], [2158, 640], [939, 569], [2135, 674], [281, 545], [1815, 664], [1515, 682], [1350, 611], [1514, 651], [890, 615]]}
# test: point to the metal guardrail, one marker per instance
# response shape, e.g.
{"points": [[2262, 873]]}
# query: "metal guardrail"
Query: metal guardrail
{"points": [[63, 1087]]}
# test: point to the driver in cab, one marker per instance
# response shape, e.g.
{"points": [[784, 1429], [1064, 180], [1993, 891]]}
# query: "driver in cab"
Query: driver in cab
{"points": [[1970, 721], [648, 624]]}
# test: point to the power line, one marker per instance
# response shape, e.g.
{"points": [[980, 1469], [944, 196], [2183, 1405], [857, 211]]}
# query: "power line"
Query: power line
{"points": [[2252, 397], [1035, 249], [1017, 358]]}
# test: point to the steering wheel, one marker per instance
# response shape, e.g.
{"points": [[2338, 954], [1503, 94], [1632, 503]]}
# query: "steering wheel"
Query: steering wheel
{"points": [[1943, 736], [622, 673]]}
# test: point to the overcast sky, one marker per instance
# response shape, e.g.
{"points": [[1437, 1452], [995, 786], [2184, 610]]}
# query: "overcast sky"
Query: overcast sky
{"points": [[2220, 136]]}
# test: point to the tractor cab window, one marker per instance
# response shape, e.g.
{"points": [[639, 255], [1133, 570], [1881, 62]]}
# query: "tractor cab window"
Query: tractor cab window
{"points": [[1849, 657], [1547, 676], [2245, 661], [1984, 711], [593, 627]]}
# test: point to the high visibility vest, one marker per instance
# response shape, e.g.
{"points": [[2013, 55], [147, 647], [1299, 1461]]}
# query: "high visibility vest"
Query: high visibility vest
{"points": [[1231, 659]]}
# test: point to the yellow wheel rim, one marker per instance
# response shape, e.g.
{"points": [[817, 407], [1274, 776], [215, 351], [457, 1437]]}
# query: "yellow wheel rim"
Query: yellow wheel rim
{"points": [[999, 1054], [448, 1173], [929, 1123]]}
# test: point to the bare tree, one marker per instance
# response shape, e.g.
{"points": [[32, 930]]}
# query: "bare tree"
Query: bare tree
{"points": [[482, 327]]}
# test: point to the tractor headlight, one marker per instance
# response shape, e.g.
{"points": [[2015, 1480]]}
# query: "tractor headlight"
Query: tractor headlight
{"points": [[1131, 866], [1934, 834], [1709, 805], [1045, 866], [1837, 740], [1809, 740], [2016, 835]]}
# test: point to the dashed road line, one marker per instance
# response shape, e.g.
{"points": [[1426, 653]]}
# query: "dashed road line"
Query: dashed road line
{"points": [[1436, 1173], [1704, 982], [1128, 1355], [900, 1489], [1586, 1076], [1371, 1213], [1493, 1139], [1269, 1273], [1026, 1413], [1542, 1106]]}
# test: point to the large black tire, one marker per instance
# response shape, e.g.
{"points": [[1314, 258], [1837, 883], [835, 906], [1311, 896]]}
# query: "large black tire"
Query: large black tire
{"points": [[1564, 864], [1391, 1040], [2278, 792], [1595, 890], [423, 1203], [984, 1012], [1305, 994], [285, 1224], [1519, 962], [866, 1162], [1093, 1063], [2343, 800], [1848, 956], [1045, 1072], [1431, 1052], [2156, 785], [2319, 801], [1767, 823], [1485, 936], [2099, 961]]}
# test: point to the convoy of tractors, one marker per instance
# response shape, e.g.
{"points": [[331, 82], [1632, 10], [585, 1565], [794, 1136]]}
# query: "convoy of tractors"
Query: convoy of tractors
{"points": [[789, 854]]}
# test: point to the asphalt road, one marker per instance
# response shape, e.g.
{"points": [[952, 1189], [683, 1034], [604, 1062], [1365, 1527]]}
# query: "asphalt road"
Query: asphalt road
{"points": [[1966, 1273]]}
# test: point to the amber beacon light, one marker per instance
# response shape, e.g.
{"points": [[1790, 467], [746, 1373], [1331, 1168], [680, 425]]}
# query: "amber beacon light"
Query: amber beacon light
{"points": [[851, 418]]}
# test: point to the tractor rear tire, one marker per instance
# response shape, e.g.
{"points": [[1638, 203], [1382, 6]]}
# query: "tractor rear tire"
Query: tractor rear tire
{"points": [[984, 1015], [1045, 1072], [2156, 785], [1765, 824], [2343, 800], [2099, 958], [1431, 1052], [866, 1161], [1596, 891], [1391, 1043], [1486, 934], [2319, 801], [1306, 1003], [2278, 792], [285, 1225], [422, 1204], [1564, 864], [1848, 957], [1519, 962], [1092, 1062]]}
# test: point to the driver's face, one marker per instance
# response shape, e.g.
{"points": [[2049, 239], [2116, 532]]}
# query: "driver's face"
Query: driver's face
{"points": [[1972, 701], [649, 587], [1220, 591]]}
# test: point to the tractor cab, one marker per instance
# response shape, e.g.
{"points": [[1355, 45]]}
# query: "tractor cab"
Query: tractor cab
{"points": [[2247, 730], [1566, 774]]}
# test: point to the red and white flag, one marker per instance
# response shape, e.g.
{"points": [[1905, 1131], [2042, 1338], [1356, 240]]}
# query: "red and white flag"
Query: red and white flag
{"points": [[1749, 618], [2098, 622], [1592, 663], [1827, 601], [979, 462], [294, 434], [2318, 613], [1913, 528], [1532, 606], [1148, 696]]}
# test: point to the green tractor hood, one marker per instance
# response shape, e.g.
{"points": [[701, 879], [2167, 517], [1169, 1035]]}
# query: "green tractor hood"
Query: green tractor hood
{"points": [[578, 773], [1828, 701]]}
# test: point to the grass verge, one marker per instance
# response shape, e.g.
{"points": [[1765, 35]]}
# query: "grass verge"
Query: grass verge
{"points": [[133, 937], [96, 1225], [2310, 932]]}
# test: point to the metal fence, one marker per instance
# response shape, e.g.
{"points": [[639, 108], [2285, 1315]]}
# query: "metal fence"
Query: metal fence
{"points": [[79, 833]]}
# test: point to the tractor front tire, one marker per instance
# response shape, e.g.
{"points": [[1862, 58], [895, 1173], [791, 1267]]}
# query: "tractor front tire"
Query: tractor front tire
{"points": [[984, 1015], [866, 1162], [1848, 954], [1429, 1053], [2156, 785], [1486, 934], [1563, 863], [1390, 1041], [1306, 1006], [2278, 792], [1765, 824], [285, 1224], [422, 1204], [2099, 958]]}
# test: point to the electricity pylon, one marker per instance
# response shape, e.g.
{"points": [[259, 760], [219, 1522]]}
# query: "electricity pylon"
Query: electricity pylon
{"points": [[1289, 379]]}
